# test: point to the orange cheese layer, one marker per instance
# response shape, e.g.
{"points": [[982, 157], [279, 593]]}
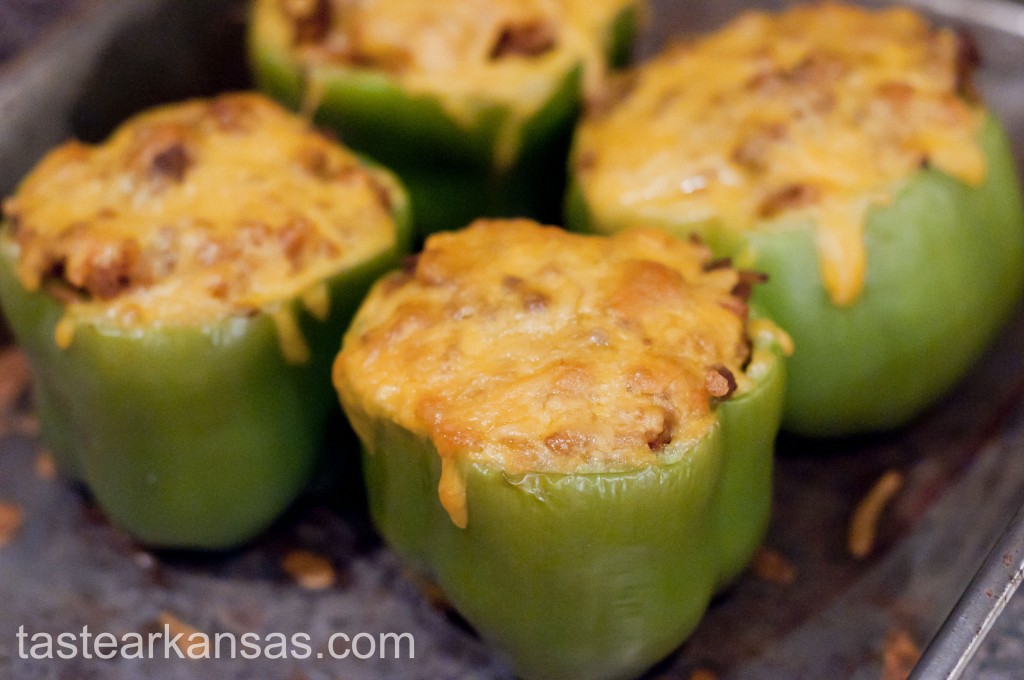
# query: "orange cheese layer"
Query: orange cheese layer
{"points": [[533, 349], [197, 211], [513, 52], [818, 113]]}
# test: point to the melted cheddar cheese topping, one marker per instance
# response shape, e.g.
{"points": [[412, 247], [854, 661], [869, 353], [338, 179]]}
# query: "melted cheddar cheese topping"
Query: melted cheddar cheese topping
{"points": [[532, 349], [464, 52], [195, 212], [817, 113]]}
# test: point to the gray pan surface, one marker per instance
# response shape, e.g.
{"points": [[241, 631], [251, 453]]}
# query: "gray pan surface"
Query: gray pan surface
{"points": [[80, 67]]}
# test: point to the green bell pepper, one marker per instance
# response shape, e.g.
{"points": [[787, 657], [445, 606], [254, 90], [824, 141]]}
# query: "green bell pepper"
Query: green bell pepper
{"points": [[585, 575], [495, 160], [945, 267], [189, 435], [588, 575]]}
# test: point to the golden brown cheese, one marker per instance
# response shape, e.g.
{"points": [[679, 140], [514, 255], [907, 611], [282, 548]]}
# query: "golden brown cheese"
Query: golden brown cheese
{"points": [[532, 349], [819, 112], [194, 212], [513, 52]]}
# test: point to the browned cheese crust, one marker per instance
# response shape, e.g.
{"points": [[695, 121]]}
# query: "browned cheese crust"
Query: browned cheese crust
{"points": [[814, 114], [461, 52], [533, 349], [193, 212]]}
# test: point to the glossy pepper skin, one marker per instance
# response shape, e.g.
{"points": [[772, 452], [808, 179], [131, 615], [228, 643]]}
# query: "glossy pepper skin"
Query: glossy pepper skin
{"points": [[188, 437], [592, 576], [945, 267], [454, 171]]}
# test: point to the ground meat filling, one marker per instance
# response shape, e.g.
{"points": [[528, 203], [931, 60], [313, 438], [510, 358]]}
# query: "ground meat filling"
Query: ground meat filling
{"points": [[311, 19], [528, 39], [968, 59], [170, 162]]}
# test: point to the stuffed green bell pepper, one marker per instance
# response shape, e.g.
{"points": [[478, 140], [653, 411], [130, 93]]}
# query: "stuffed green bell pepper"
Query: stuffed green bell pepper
{"points": [[844, 153], [180, 291], [572, 435], [471, 102]]}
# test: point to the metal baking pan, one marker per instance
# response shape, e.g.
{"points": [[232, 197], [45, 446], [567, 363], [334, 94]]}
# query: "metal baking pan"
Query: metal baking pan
{"points": [[83, 66]]}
